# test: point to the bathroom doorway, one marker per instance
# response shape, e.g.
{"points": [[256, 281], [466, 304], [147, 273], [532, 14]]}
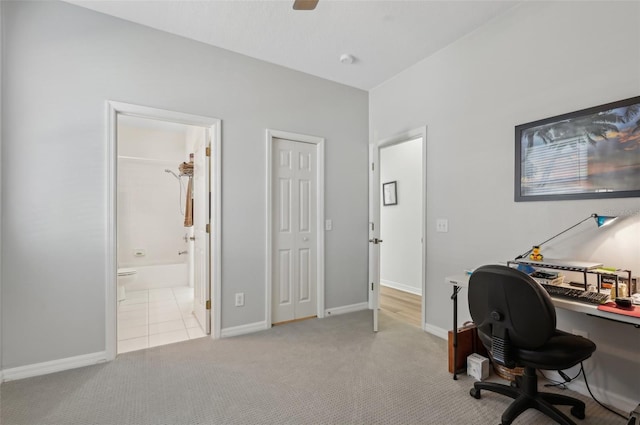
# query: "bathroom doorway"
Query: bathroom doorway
{"points": [[166, 221]]}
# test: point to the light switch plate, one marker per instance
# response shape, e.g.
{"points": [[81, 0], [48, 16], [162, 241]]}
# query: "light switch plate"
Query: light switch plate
{"points": [[328, 224]]}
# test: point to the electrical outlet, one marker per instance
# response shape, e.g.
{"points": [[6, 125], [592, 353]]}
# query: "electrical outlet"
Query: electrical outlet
{"points": [[328, 224], [239, 299], [442, 225]]}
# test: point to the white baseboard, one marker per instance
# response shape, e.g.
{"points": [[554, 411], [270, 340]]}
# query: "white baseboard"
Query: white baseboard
{"points": [[401, 287], [434, 330], [346, 309], [244, 329], [608, 398], [44, 368]]}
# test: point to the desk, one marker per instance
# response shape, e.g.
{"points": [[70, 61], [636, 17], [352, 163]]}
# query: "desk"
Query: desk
{"points": [[462, 281]]}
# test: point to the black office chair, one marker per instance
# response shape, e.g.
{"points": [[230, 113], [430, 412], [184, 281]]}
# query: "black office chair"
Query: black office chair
{"points": [[516, 322]]}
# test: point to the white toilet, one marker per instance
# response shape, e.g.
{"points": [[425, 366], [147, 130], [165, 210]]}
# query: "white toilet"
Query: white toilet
{"points": [[125, 276]]}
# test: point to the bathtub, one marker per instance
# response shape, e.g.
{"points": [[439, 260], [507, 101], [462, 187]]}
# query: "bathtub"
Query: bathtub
{"points": [[160, 276]]}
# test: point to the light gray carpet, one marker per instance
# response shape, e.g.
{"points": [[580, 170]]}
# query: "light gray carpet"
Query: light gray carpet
{"points": [[328, 371]]}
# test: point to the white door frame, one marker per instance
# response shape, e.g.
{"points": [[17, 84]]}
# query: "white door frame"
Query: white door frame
{"points": [[374, 218], [214, 125], [319, 142]]}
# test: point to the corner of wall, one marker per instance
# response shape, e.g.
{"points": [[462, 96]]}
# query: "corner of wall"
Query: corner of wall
{"points": [[1, 84]]}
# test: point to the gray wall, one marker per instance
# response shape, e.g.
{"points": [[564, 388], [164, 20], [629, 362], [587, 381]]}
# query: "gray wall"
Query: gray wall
{"points": [[61, 63], [1, 137], [539, 60]]}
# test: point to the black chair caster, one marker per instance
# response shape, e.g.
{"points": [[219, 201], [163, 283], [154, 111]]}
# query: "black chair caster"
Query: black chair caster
{"points": [[578, 412]]}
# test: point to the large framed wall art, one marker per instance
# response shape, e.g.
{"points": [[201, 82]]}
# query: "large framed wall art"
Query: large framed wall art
{"points": [[587, 154]]}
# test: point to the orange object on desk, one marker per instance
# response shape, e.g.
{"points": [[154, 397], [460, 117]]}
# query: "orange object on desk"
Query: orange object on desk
{"points": [[611, 307]]}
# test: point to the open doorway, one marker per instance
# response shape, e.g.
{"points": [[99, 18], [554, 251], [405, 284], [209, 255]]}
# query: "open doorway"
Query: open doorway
{"points": [[164, 216], [158, 213], [389, 191], [401, 230]]}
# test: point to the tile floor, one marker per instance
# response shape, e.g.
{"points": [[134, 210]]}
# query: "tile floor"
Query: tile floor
{"points": [[153, 317]]}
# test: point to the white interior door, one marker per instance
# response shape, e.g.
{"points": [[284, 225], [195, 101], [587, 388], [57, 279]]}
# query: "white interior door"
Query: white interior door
{"points": [[201, 219], [294, 230], [374, 233]]}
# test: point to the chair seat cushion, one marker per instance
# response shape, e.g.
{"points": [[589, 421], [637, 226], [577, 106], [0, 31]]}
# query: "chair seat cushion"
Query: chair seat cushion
{"points": [[561, 351]]}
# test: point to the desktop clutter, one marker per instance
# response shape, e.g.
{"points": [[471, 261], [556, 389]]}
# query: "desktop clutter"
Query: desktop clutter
{"points": [[586, 287], [611, 290]]}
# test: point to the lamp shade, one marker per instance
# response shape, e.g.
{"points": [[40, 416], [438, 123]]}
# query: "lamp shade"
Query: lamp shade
{"points": [[604, 220]]}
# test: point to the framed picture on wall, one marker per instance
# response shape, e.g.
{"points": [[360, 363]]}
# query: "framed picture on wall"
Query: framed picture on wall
{"points": [[389, 193], [587, 154]]}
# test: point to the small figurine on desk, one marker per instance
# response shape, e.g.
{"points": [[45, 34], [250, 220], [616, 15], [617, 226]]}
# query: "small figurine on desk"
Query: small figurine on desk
{"points": [[535, 254]]}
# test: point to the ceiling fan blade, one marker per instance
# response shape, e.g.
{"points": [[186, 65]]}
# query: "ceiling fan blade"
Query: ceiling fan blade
{"points": [[305, 4]]}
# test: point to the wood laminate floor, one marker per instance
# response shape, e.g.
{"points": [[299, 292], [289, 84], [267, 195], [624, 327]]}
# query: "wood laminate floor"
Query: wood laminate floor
{"points": [[401, 305]]}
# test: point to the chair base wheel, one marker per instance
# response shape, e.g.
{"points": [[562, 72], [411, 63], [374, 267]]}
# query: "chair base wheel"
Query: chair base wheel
{"points": [[578, 412], [475, 393]]}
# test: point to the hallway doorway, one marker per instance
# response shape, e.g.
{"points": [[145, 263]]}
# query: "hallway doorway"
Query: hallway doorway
{"points": [[401, 262]]}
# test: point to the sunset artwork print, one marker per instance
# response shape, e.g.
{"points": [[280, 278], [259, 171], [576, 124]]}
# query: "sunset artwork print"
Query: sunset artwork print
{"points": [[594, 153]]}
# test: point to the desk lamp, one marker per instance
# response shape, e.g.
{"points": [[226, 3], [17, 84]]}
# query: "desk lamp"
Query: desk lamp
{"points": [[601, 221]]}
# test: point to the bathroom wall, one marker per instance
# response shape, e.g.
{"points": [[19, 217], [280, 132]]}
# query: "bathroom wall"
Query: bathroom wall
{"points": [[150, 222]]}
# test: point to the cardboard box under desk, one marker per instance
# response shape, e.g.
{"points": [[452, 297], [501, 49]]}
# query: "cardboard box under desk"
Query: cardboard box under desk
{"points": [[468, 343]]}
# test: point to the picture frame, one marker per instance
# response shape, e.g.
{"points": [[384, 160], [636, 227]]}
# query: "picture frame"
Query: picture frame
{"points": [[390, 193], [588, 154]]}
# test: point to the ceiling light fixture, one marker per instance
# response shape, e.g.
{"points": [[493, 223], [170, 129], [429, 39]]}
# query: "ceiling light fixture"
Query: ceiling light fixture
{"points": [[305, 4]]}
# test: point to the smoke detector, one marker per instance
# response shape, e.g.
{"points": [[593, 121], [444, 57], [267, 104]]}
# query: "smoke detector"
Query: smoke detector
{"points": [[347, 59]]}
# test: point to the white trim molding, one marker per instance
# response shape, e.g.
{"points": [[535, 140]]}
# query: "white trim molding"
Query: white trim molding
{"points": [[434, 330], [214, 126], [610, 398], [347, 309], [401, 287], [319, 142], [59, 365], [245, 329]]}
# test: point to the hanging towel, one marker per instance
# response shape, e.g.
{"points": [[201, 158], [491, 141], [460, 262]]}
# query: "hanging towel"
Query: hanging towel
{"points": [[188, 211], [186, 168]]}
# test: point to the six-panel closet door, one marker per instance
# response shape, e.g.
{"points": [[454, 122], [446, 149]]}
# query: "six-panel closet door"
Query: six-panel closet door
{"points": [[294, 230]]}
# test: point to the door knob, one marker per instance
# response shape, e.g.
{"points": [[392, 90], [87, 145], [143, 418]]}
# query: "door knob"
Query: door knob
{"points": [[375, 241]]}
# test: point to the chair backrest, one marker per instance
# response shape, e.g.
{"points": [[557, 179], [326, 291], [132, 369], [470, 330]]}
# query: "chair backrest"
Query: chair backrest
{"points": [[511, 309]]}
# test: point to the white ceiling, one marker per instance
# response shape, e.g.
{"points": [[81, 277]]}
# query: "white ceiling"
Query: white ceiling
{"points": [[385, 37]]}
